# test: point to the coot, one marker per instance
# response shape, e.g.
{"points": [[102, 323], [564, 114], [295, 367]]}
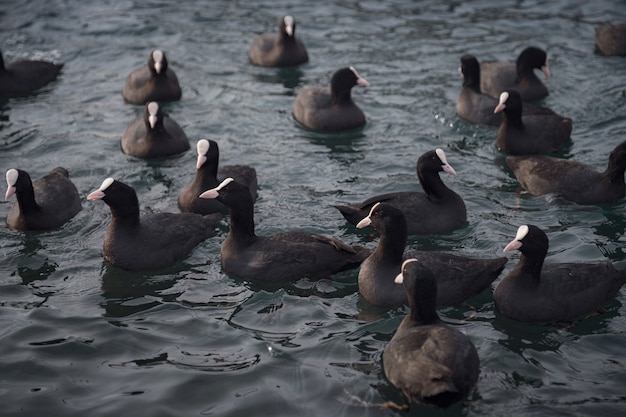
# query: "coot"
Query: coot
{"points": [[611, 38], [534, 292], [280, 49], [497, 76], [45, 204], [207, 174], [280, 256], [25, 76], [521, 134], [428, 360], [475, 106], [331, 109], [436, 210], [155, 81], [151, 241], [572, 180], [154, 135], [458, 277]]}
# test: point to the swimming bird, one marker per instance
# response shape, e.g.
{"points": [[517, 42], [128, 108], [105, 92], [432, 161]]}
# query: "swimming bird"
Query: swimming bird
{"points": [[458, 277], [430, 361], [154, 135], [150, 241], [572, 180], [25, 76], [281, 256], [525, 134], [280, 49], [537, 292], [437, 209], [207, 173], [472, 104], [498, 76], [331, 109], [611, 38], [155, 81], [47, 203], [477, 107]]}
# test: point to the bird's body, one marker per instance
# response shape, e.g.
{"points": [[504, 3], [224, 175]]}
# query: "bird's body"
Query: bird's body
{"points": [[611, 39], [458, 277], [151, 241], [437, 209], [521, 134], [278, 257], [429, 361], [26, 76], [477, 107], [498, 76], [534, 292], [209, 175], [154, 135], [331, 109], [47, 203], [281, 49], [154, 81], [572, 180]]}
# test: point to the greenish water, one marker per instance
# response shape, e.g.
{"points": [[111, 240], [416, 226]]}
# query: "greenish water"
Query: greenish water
{"points": [[78, 336]]}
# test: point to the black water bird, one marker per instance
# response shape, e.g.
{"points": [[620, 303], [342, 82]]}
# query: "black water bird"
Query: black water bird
{"points": [[331, 109], [458, 277], [572, 180], [281, 256], [150, 241], [209, 175], [47, 203], [26, 76], [281, 49], [154, 135], [538, 292], [430, 361], [155, 81], [437, 209]]}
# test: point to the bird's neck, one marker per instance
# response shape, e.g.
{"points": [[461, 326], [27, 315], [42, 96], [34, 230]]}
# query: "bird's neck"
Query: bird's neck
{"points": [[513, 119], [127, 216], [433, 185], [26, 201], [341, 96], [531, 266], [421, 314], [390, 248], [242, 223], [206, 176]]}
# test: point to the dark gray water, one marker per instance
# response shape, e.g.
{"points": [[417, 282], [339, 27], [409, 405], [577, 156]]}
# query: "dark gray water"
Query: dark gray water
{"points": [[79, 337]]}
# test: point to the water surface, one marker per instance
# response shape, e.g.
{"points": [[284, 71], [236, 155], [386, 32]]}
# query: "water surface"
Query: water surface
{"points": [[78, 336]]}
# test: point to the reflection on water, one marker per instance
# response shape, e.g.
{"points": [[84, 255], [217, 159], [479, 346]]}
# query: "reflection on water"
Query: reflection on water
{"points": [[36, 274], [615, 225], [550, 336], [344, 146], [290, 78], [127, 292], [31, 243]]}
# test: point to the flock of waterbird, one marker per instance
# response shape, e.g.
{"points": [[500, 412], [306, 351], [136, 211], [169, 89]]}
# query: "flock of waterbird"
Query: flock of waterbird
{"points": [[430, 361]]}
